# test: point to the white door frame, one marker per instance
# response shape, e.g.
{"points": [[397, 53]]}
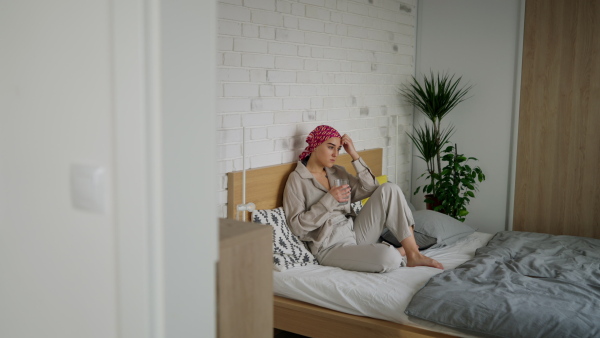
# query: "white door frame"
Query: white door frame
{"points": [[166, 232]]}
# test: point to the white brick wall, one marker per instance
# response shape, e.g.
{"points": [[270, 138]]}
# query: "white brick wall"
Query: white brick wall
{"points": [[287, 66]]}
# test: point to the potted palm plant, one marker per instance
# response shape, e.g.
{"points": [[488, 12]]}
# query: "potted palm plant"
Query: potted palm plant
{"points": [[445, 191], [429, 143]]}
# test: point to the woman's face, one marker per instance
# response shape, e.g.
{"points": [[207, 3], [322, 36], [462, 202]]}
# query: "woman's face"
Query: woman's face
{"points": [[327, 152]]}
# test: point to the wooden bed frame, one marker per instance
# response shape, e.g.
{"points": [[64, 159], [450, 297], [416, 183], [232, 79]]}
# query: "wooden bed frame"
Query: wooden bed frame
{"points": [[264, 187]]}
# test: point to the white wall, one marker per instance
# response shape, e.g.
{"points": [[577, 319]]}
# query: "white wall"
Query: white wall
{"points": [[477, 40], [285, 67], [129, 86], [58, 263]]}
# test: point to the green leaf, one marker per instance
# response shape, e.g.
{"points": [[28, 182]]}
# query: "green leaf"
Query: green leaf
{"points": [[463, 212], [436, 96], [470, 193]]}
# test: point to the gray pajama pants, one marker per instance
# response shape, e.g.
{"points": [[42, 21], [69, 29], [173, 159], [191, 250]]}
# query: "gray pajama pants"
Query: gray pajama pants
{"points": [[386, 208]]}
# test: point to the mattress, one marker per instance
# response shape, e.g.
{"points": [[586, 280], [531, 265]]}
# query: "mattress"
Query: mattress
{"points": [[377, 295]]}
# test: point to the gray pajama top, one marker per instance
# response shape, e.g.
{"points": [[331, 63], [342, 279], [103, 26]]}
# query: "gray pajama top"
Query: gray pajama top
{"points": [[313, 213]]}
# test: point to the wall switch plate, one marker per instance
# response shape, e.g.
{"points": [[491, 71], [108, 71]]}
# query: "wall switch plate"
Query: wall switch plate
{"points": [[88, 187]]}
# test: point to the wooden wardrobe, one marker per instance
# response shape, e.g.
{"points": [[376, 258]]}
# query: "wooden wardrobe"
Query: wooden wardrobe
{"points": [[558, 151]]}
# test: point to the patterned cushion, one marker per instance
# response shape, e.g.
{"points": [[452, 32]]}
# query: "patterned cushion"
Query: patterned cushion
{"points": [[288, 250], [356, 206]]}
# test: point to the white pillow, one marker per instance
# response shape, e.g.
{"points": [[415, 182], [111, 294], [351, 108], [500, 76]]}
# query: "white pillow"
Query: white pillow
{"points": [[288, 250]]}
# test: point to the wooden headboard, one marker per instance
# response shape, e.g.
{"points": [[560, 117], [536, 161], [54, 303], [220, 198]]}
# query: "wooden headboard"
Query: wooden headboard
{"points": [[264, 186]]}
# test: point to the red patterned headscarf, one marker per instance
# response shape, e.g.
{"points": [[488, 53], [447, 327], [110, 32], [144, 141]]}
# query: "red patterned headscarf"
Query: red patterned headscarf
{"points": [[319, 135]]}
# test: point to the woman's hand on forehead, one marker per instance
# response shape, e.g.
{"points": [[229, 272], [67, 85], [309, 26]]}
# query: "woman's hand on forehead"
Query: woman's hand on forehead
{"points": [[348, 145]]}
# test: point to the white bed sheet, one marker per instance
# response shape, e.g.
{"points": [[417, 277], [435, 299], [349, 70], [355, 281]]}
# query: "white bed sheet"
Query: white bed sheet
{"points": [[377, 295]]}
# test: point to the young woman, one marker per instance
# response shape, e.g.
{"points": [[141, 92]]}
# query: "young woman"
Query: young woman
{"points": [[319, 214]]}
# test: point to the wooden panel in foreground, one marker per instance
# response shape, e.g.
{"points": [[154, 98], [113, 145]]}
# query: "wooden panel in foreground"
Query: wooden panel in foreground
{"points": [[264, 186], [317, 322], [245, 280]]}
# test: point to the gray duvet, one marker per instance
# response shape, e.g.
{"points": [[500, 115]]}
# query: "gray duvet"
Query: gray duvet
{"points": [[519, 285]]}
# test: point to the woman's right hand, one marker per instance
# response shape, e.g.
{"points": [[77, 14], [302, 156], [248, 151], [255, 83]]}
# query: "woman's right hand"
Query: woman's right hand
{"points": [[341, 193]]}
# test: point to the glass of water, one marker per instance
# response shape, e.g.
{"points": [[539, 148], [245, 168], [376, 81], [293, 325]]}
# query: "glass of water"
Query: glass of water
{"points": [[338, 182]]}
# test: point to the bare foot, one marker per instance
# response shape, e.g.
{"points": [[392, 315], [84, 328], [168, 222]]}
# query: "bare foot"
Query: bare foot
{"points": [[401, 251], [420, 260]]}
